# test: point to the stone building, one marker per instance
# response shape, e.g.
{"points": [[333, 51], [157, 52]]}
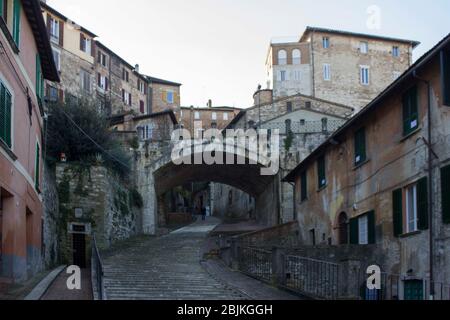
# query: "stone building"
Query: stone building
{"points": [[73, 52], [210, 117], [25, 61], [163, 95], [304, 123], [382, 181], [345, 67]]}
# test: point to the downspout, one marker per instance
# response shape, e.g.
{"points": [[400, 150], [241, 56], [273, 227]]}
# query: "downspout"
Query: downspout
{"points": [[430, 184], [313, 65]]}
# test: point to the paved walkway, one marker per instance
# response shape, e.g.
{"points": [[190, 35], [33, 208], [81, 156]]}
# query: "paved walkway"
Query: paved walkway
{"points": [[170, 268]]}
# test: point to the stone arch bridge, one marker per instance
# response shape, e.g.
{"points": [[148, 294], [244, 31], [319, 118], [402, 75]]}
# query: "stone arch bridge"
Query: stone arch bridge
{"points": [[156, 175]]}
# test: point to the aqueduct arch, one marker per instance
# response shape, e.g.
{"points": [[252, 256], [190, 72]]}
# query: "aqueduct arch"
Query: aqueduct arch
{"points": [[162, 175]]}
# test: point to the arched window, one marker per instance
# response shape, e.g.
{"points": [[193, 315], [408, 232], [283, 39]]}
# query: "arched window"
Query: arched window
{"points": [[296, 56], [343, 228], [282, 57]]}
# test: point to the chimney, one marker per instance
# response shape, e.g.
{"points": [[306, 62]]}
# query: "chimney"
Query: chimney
{"points": [[136, 68], [209, 103]]}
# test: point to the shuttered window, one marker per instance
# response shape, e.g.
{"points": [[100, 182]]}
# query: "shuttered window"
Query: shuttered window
{"points": [[39, 78], [397, 212], [37, 166], [16, 21], [360, 146], [410, 111], [5, 115], [321, 172], [303, 186], [445, 191], [422, 204], [445, 73], [3, 9], [362, 229]]}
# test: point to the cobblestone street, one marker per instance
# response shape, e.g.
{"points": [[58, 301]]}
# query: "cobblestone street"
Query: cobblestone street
{"points": [[170, 267]]}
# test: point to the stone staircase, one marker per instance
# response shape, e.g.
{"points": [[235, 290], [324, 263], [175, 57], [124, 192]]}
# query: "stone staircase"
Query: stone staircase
{"points": [[165, 268]]}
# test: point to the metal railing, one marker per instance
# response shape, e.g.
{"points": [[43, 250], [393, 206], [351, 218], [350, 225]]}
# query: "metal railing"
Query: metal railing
{"points": [[256, 262], [313, 278], [97, 271]]}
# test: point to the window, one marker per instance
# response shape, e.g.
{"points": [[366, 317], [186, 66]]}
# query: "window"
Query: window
{"points": [[288, 125], [54, 29], [303, 186], [326, 42], [142, 106], [197, 115], [413, 290], [362, 229], [225, 116], [282, 75], [169, 97], [411, 209], [16, 21], [289, 106], [5, 115], [126, 97], [101, 58], [85, 44], [445, 192], [147, 132], [85, 81], [214, 116], [282, 57], [326, 72], [321, 172], [312, 236], [37, 167], [395, 51], [445, 74], [53, 94], [125, 75], [415, 214], [102, 82], [360, 146], [57, 58], [141, 86], [410, 111], [297, 75], [296, 56], [364, 47], [365, 75]]}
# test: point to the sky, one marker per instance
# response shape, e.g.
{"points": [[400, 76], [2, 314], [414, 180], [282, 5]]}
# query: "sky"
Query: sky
{"points": [[217, 48]]}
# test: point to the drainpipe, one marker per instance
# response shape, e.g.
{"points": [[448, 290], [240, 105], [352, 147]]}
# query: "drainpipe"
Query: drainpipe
{"points": [[430, 183]]}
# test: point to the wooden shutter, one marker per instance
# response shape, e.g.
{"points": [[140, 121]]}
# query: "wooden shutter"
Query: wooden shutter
{"points": [[321, 171], [61, 33], [82, 43], [49, 24], [445, 191], [410, 109], [354, 231], [99, 80], [106, 84], [371, 227], [16, 21], [397, 212], [5, 115], [61, 95], [123, 95], [303, 186], [422, 204]]}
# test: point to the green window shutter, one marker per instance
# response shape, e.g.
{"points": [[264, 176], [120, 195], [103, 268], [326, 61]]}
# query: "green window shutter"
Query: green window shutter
{"points": [[16, 21], [37, 166], [445, 191], [397, 211], [1, 8], [354, 231], [422, 204], [5, 115], [371, 227], [304, 186], [39, 84], [445, 70]]}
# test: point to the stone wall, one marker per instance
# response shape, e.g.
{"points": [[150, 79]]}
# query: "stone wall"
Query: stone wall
{"points": [[99, 201]]}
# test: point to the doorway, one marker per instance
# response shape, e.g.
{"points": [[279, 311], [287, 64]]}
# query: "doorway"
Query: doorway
{"points": [[79, 250], [343, 229]]}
